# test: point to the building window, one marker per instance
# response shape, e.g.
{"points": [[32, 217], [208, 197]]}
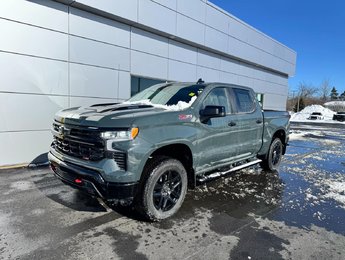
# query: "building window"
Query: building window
{"points": [[260, 98], [140, 83]]}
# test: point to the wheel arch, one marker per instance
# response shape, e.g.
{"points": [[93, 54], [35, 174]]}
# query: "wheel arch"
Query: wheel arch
{"points": [[281, 134], [179, 151]]}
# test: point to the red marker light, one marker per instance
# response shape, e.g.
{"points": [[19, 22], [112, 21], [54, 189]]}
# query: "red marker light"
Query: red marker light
{"points": [[78, 181]]}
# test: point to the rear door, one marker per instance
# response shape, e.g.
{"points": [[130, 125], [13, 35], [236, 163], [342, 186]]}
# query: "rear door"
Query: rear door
{"points": [[249, 119]]}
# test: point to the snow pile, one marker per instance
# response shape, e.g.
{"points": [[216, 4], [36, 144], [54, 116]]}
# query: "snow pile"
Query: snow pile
{"points": [[181, 105], [304, 114]]}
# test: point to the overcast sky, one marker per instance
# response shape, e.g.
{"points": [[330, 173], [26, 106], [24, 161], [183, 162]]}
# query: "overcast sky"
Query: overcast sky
{"points": [[314, 29]]}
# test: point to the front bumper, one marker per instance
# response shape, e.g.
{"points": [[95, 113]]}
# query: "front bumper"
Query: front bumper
{"points": [[91, 181]]}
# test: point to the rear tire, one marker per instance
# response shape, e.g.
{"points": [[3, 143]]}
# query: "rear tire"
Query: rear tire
{"points": [[274, 156], [163, 190]]}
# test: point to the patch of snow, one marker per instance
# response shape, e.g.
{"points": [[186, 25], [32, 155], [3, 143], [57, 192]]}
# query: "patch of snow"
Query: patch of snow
{"points": [[304, 114], [336, 191], [181, 105]]}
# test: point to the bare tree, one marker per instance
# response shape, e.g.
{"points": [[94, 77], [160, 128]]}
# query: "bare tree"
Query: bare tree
{"points": [[325, 90], [306, 90]]}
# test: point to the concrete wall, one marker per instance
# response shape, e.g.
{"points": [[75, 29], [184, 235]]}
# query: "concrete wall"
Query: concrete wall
{"points": [[54, 56]]}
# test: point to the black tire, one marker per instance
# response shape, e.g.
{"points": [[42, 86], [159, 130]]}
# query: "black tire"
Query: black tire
{"points": [[163, 190], [274, 156]]}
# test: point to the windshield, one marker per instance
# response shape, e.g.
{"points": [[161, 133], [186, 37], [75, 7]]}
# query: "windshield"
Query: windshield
{"points": [[168, 94]]}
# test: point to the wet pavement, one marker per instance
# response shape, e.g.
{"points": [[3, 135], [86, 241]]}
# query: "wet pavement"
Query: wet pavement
{"points": [[296, 213]]}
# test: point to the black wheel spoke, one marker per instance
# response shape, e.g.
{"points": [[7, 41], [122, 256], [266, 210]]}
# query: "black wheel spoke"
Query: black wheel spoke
{"points": [[176, 185], [175, 194], [160, 202], [165, 201], [167, 190], [157, 194], [172, 200], [175, 179]]}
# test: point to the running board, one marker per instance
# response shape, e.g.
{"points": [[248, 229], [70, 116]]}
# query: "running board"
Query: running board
{"points": [[215, 175]]}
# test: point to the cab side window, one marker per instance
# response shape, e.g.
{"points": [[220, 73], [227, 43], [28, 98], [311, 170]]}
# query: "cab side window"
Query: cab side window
{"points": [[245, 101], [218, 97]]}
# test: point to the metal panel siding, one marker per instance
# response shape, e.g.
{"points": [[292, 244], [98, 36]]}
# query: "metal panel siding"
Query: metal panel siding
{"points": [[84, 79], [149, 42], [32, 144], [99, 54], [179, 71], [127, 9], [25, 74], [274, 101], [190, 29], [228, 65], [98, 28], [216, 19], [32, 112], [124, 87], [194, 9], [157, 16], [149, 65], [26, 39], [228, 78], [207, 59], [188, 22], [171, 4], [216, 39], [35, 13], [182, 52], [208, 75]]}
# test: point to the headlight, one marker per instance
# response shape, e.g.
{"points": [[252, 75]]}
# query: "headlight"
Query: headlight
{"points": [[120, 135]]}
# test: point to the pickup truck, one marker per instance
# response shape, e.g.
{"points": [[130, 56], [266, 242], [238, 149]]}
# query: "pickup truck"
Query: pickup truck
{"points": [[149, 150]]}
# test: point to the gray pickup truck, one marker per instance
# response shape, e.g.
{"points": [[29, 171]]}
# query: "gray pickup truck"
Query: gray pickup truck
{"points": [[170, 137]]}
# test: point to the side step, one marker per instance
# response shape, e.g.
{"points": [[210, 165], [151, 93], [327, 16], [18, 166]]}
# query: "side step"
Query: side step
{"points": [[217, 174]]}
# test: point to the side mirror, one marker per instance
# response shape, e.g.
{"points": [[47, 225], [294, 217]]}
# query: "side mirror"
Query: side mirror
{"points": [[210, 112]]}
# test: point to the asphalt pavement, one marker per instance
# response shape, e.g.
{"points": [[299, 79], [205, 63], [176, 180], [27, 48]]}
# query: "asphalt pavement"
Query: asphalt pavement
{"points": [[296, 213]]}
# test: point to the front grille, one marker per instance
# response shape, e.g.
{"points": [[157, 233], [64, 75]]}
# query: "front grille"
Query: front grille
{"points": [[77, 142], [121, 160]]}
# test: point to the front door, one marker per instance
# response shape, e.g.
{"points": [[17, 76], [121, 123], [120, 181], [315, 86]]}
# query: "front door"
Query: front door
{"points": [[218, 141]]}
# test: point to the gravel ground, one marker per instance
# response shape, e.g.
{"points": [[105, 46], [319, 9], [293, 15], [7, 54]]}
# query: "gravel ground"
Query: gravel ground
{"points": [[296, 213]]}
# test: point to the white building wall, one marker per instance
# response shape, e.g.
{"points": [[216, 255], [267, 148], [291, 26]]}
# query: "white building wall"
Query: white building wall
{"points": [[54, 56]]}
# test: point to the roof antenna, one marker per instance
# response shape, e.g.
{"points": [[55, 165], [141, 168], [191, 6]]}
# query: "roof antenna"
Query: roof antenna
{"points": [[200, 81]]}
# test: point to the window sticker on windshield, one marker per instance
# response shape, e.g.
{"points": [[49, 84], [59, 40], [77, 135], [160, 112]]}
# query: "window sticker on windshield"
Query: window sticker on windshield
{"points": [[191, 94]]}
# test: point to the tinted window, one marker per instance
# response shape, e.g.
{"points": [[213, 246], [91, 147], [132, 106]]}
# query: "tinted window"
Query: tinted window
{"points": [[245, 102], [163, 94], [218, 97]]}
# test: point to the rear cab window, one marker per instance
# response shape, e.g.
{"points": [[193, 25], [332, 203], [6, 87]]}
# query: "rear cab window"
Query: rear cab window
{"points": [[244, 100]]}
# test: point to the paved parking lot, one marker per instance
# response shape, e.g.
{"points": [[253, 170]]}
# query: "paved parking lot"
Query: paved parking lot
{"points": [[298, 213]]}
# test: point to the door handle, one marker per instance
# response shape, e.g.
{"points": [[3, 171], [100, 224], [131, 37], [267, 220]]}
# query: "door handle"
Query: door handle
{"points": [[258, 121], [232, 123]]}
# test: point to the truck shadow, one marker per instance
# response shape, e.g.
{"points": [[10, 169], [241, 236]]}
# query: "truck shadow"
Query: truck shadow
{"points": [[238, 194], [55, 190]]}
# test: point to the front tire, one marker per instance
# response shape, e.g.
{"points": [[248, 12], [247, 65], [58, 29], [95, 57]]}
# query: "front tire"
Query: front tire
{"points": [[164, 189], [273, 159]]}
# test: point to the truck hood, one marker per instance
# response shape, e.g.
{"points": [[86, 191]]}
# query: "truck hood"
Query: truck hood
{"points": [[107, 115]]}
